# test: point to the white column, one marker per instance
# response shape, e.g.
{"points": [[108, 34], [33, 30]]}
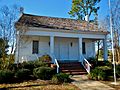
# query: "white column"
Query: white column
{"points": [[51, 44], [105, 50], [80, 48], [17, 58]]}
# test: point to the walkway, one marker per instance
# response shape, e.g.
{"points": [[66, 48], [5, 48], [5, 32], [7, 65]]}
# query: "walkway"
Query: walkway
{"points": [[83, 83]]}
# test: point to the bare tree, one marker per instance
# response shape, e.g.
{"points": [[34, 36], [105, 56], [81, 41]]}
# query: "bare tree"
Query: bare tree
{"points": [[115, 15], [8, 17]]}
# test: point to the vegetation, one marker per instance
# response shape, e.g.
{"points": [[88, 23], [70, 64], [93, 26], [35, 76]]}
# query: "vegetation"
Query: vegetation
{"points": [[6, 76], [43, 73], [46, 58], [105, 25], [60, 78], [101, 73], [8, 17], [23, 74], [37, 69], [81, 8], [118, 70]]}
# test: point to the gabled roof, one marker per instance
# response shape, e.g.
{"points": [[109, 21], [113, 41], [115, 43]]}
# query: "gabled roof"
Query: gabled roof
{"points": [[55, 23]]}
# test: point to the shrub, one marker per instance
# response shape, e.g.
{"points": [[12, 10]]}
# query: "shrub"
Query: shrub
{"points": [[40, 63], [45, 58], [118, 70], [100, 73], [6, 76], [44, 73], [93, 61], [13, 67], [30, 65], [23, 74], [60, 78]]}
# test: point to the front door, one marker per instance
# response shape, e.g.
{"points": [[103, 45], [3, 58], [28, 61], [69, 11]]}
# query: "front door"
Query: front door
{"points": [[64, 49], [68, 49], [73, 49]]}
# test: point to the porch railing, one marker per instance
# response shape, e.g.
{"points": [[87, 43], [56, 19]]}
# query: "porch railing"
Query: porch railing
{"points": [[85, 64], [55, 62]]}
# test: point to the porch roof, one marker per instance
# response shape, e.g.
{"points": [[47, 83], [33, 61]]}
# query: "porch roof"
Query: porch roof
{"points": [[57, 23]]}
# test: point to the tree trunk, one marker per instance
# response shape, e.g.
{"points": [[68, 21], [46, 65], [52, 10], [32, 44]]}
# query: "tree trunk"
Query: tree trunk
{"points": [[98, 43]]}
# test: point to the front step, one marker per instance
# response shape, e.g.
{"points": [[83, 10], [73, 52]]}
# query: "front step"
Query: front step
{"points": [[73, 68]]}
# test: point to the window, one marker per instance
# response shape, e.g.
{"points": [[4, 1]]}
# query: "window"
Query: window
{"points": [[83, 48], [35, 47]]}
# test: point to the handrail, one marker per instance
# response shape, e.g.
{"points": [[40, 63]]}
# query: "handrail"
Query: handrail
{"points": [[87, 61], [57, 65], [86, 64], [55, 62], [37, 56]]}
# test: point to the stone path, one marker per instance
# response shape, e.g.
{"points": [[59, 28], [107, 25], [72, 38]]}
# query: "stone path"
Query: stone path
{"points": [[83, 83]]}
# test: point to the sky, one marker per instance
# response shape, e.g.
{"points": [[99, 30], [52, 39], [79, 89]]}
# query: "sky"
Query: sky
{"points": [[54, 8]]}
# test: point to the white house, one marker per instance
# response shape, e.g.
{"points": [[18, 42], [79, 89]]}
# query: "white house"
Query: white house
{"points": [[65, 39]]}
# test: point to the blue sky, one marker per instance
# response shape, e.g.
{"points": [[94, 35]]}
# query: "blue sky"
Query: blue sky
{"points": [[54, 8]]}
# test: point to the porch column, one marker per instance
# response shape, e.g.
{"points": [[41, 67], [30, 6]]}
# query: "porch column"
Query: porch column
{"points": [[80, 48], [51, 44], [105, 50]]}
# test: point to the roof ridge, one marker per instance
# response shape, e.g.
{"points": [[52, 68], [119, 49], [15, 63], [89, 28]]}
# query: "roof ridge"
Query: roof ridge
{"points": [[53, 17]]}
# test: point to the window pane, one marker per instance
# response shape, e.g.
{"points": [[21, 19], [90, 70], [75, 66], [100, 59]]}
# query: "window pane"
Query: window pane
{"points": [[83, 48], [35, 47]]}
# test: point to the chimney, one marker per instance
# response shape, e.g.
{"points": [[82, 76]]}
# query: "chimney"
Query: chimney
{"points": [[21, 10]]}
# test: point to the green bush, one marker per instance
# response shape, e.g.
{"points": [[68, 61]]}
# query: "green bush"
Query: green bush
{"points": [[45, 58], [28, 65], [100, 73], [60, 78], [118, 70], [31, 65], [23, 74], [6, 76], [39, 63], [13, 67], [44, 73]]}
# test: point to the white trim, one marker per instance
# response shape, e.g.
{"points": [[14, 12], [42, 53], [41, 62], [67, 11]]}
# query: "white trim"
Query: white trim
{"points": [[63, 34], [68, 31]]}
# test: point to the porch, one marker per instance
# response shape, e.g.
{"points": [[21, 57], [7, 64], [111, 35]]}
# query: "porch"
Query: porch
{"points": [[69, 51], [63, 48]]}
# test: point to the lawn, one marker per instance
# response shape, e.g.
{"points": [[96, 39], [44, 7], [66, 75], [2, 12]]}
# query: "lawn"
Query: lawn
{"points": [[37, 85]]}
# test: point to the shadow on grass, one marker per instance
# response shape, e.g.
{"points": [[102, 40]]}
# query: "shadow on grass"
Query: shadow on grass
{"points": [[11, 87]]}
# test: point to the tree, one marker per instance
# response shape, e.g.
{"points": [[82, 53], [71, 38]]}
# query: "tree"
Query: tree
{"points": [[81, 8], [8, 17], [115, 16]]}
